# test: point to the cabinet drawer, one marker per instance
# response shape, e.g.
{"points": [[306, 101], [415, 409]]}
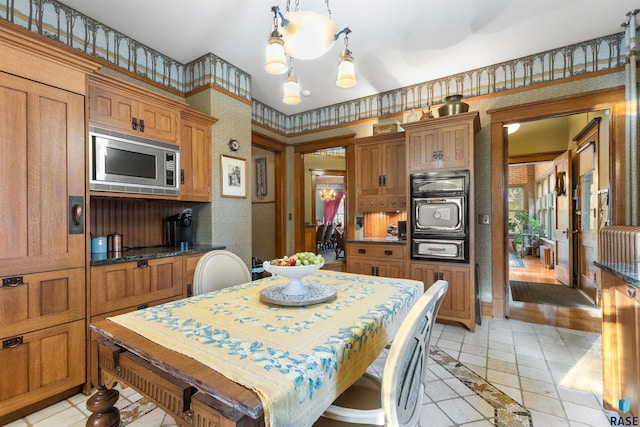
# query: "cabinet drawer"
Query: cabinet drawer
{"points": [[131, 284], [39, 300], [380, 252], [41, 364]]}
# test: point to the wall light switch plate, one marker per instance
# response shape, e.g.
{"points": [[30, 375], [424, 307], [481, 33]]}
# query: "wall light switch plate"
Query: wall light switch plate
{"points": [[483, 219]]}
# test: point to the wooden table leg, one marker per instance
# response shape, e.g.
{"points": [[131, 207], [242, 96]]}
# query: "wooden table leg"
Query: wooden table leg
{"points": [[101, 404]]}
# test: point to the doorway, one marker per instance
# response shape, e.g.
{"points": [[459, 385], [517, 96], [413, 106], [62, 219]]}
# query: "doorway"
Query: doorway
{"points": [[609, 103]]}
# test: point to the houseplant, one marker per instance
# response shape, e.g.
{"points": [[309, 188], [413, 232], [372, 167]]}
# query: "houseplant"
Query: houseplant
{"points": [[522, 223]]}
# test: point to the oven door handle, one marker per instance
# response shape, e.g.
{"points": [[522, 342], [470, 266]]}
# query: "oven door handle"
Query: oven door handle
{"points": [[436, 200]]}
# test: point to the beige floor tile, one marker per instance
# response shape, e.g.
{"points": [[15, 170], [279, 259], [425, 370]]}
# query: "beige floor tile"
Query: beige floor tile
{"points": [[472, 359], [460, 411], [47, 412], [439, 390], [535, 373], [501, 355], [539, 387], [502, 366], [65, 418], [431, 416], [546, 420], [586, 415], [459, 387], [499, 377], [545, 404]]}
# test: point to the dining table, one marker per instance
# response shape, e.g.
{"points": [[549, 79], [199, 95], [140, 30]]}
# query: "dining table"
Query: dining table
{"points": [[229, 358]]}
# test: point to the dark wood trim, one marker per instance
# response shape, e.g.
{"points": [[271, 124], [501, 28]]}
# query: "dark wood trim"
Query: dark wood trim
{"points": [[534, 158], [279, 159], [608, 99], [298, 172]]}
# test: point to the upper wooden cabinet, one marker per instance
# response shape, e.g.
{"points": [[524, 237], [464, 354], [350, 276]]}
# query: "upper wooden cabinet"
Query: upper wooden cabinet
{"points": [[120, 106], [441, 143], [195, 156], [381, 173]]}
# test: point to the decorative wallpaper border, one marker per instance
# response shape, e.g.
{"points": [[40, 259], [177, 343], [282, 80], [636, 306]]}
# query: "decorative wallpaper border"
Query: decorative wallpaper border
{"points": [[68, 26]]}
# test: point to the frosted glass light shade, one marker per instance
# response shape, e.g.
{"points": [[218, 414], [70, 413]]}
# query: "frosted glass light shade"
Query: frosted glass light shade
{"points": [[512, 128], [291, 90], [308, 34], [276, 62], [346, 71]]}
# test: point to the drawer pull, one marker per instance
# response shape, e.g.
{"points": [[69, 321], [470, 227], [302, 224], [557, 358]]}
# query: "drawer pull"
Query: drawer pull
{"points": [[631, 291], [134, 123], [12, 282], [388, 253], [11, 342], [143, 264], [362, 251]]}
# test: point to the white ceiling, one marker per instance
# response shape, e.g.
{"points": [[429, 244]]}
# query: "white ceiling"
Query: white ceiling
{"points": [[395, 43]]}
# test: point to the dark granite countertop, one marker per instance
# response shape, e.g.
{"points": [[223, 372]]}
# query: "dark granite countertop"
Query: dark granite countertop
{"points": [[379, 240], [629, 272], [139, 254]]}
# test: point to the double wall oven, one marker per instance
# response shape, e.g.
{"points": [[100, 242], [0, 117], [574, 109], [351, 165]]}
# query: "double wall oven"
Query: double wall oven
{"points": [[439, 216]]}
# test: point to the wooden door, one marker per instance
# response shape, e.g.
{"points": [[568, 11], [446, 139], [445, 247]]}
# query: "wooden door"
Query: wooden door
{"points": [[564, 212], [369, 170], [587, 217], [155, 122], [395, 181], [195, 162], [112, 109], [42, 147], [453, 146]]}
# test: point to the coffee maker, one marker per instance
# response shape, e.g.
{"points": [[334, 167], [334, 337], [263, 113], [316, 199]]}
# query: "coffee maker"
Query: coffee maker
{"points": [[180, 228]]}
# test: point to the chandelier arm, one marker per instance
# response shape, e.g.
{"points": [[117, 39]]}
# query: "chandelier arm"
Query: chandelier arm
{"points": [[277, 13], [346, 31]]}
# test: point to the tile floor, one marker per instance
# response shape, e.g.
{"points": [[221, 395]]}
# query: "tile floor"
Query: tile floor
{"points": [[555, 373]]}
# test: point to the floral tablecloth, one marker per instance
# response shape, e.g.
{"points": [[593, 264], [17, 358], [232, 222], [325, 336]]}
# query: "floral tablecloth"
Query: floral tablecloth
{"points": [[297, 359]]}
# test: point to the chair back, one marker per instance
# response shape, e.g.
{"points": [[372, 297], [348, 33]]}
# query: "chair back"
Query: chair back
{"points": [[405, 371], [219, 269]]}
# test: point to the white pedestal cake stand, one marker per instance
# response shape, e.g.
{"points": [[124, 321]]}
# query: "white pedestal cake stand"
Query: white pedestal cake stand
{"points": [[295, 292]]}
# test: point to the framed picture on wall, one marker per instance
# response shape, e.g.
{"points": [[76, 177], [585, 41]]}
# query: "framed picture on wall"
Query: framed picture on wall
{"points": [[233, 176], [261, 177]]}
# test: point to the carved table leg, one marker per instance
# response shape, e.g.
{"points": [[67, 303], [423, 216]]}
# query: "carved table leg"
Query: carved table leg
{"points": [[105, 414]]}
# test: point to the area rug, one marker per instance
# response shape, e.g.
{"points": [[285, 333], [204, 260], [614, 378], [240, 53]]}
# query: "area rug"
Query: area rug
{"points": [[508, 412], [515, 261], [540, 293]]}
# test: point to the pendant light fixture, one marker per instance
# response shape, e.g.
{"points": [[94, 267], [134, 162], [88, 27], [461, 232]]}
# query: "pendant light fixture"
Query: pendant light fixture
{"points": [[305, 35], [291, 87], [276, 62], [346, 69]]}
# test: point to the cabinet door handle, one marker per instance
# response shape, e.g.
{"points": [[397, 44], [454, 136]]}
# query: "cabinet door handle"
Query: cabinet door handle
{"points": [[12, 282], [631, 291], [12, 342], [440, 276], [141, 125], [143, 264], [379, 180], [384, 180], [76, 214], [181, 176], [134, 123]]}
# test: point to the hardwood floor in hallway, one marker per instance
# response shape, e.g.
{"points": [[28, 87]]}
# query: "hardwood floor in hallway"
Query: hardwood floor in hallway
{"points": [[564, 317]]}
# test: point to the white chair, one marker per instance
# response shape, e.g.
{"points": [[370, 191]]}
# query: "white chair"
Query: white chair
{"points": [[217, 270], [396, 400]]}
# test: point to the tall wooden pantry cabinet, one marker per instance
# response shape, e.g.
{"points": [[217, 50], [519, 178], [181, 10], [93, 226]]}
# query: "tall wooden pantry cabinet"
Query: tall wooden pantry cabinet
{"points": [[447, 143], [43, 249]]}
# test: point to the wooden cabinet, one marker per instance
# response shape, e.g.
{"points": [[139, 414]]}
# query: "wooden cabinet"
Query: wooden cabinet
{"points": [[40, 364], [189, 267], [621, 339], [442, 143], [120, 106], [376, 259], [195, 156], [135, 284], [459, 302], [448, 143], [42, 250], [381, 179]]}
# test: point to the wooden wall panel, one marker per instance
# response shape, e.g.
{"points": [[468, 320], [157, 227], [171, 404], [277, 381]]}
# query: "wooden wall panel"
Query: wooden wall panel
{"points": [[141, 222], [375, 224]]}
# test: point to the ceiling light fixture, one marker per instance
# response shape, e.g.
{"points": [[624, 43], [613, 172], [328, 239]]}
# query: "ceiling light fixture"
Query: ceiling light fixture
{"points": [[512, 128], [291, 87], [327, 195], [306, 35]]}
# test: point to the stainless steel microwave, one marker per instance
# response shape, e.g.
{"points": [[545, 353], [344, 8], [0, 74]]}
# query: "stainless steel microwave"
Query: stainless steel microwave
{"points": [[132, 164]]}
